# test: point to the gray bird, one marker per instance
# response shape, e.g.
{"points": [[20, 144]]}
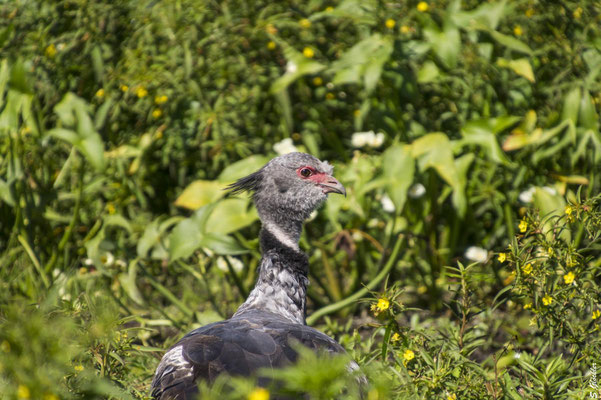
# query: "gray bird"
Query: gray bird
{"points": [[265, 329]]}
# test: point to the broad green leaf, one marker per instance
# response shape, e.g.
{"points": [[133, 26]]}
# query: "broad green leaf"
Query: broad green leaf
{"points": [[19, 79], [230, 215], [445, 42], [571, 105], [510, 42], [398, 167], [222, 244], [5, 193], [483, 132], [73, 113], [242, 168], [459, 198], [550, 205], [187, 236], [428, 72], [4, 76], [149, 239], [487, 14], [128, 281], [363, 62], [10, 117], [298, 65], [587, 116], [434, 150], [521, 67], [200, 193]]}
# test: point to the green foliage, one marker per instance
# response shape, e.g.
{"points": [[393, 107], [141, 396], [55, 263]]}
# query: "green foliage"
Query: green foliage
{"points": [[122, 122]]}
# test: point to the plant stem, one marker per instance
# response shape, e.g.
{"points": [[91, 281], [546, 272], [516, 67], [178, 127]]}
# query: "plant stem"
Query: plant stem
{"points": [[351, 299]]}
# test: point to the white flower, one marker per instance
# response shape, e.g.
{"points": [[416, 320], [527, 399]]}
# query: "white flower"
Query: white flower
{"points": [[236, 264], [550, 190], [369, 138], [526, 195], [330, 85], [416, 191], [291, 67], [475, 253], [107, 259], [387, 204], [376, 140], [284, 147], [517, 355]]}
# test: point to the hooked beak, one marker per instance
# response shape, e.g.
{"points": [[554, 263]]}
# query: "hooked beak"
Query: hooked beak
{"points": [[331, 185]]}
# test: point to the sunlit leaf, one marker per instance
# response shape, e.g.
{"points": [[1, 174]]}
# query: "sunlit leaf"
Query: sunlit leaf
{"points": [[200, 193], [398, 167], [230, 215]]}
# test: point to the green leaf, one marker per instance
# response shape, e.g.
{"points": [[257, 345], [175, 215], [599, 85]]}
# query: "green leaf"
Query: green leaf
{"points": [[510, 42], [587, 116], [483, 132], [5, 193], [363, 62], [188, 235], [230, 215], [398, 167], [222, 244], [200, 193], [446, 42], [242, 168], [521, 67], [298, 65], [571, 105], [428, 72], [487, 14], [73, 113]]}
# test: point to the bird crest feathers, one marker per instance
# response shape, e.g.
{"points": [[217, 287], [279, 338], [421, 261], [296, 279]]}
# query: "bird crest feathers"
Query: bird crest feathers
{"points": [[249, 183]]}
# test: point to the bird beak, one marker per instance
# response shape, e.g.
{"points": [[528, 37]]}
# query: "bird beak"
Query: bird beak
{"points": [[331, 185]]}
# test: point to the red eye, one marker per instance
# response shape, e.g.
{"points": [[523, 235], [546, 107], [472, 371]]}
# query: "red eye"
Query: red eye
{"points": [[306, 172]]}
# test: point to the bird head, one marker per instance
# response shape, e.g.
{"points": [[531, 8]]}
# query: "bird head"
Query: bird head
{"points": [[290, 186]]}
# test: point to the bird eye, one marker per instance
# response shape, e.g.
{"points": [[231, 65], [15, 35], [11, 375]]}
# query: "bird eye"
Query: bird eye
{"points": [[306, 172]]}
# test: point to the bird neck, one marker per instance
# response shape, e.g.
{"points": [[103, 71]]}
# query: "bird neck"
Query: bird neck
{"points": [[281, 287]]}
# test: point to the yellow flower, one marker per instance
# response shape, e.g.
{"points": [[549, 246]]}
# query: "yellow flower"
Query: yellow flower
{"points": [[547, 300], [157, 113], [161, 99], [5, 346], [527, 306], [383, 304], [408, 355], [502, 257], [509, 279], [308, 52], [51, 50], [532, 321], [577, 13], [569, 278], [517, 30], [390, 23], [78, 368], [523, 226], [330, 96], [396, 337], [317, 81], [569, 209], [596, 314], [422, 6], [23, 392], [100, 93], [305, 23], [328, 9], [271, 45], [550, 251], [259, 394], [141, 92], [50, 396], [529, 12], [527, 269], [110, 207], [357, 113], [124, 88], [452, 396], [404, 29], [83, 270]]}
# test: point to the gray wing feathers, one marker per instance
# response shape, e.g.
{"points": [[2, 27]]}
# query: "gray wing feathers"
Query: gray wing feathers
{"points": [[238, 346]]}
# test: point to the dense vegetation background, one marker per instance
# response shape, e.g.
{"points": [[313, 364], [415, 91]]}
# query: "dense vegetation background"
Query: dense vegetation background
{"points": [[464, 262]]}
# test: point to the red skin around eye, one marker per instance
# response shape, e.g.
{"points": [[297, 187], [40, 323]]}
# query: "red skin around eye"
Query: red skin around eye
{"points": [[317, 177]]}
